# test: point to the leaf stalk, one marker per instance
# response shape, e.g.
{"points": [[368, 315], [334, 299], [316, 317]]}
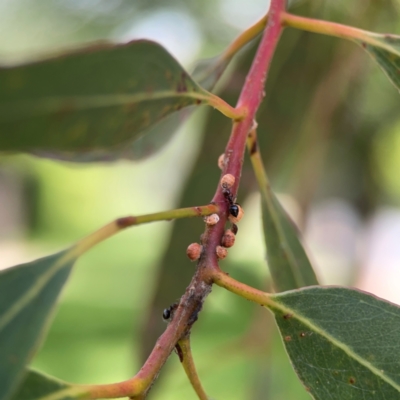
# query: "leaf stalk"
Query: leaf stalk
{"points": [[190, 368]]}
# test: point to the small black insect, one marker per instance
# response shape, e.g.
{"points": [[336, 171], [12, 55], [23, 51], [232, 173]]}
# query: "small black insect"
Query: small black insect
{"points": [[229, 196], [166, 314], [234, 210]]}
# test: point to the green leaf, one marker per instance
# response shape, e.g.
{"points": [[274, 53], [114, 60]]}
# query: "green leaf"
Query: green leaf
{"points": [[385, 50], [28, 294], [37, 386], [343, 343], [287, 261], [92, 101], [206, 73]]}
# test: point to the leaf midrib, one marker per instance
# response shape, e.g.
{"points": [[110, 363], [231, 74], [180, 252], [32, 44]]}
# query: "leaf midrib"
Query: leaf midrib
{"points": [[35, 289], [47, 105]]}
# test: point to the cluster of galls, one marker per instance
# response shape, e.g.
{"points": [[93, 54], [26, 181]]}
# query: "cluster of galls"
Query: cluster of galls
{"points": [[235, 215]]}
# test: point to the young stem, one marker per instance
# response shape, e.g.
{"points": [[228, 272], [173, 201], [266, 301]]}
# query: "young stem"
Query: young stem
{"points": [[332, 29], [244, 38], [121, 223], [190, 368], [257, 163], [237, 114], [250, 99], [221, 279], [217, 67]]}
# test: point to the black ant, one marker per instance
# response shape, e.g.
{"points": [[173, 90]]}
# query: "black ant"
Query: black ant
{"points": [[168, 313], [233, 207]]}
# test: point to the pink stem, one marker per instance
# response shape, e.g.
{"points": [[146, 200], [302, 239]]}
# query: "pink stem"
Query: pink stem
{"points": [[250, 99]]}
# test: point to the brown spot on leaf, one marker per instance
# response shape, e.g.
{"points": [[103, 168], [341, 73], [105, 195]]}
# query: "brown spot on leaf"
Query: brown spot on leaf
{"points": [[182, 83], [364, 45], [198, 101], [352, 380], [130, 107], [287, 316], [288, 338], [302, 334], [65, 110]]}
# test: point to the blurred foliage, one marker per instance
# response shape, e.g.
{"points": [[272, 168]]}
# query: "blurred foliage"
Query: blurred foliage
{"points": [[328, 127]]}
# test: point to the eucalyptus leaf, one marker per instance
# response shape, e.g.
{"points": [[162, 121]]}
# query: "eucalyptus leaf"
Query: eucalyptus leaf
{"points": [[343, 343], [385, 50], [91, 101], [288, 263], [207, 73], [28, 293], [38, 386]]}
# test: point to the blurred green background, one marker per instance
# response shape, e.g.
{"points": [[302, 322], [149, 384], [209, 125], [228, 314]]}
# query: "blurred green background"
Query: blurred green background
{"points": [[329, 135]]}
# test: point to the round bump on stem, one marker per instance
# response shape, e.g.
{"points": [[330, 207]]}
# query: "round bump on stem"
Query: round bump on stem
{"points": [[227, 181], [228, 240], [211, 219], [194, 251], [221, 161], [222, 252]]}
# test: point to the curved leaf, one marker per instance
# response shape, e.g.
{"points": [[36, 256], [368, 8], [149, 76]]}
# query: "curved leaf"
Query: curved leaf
{"points": [[28, 293], [37, 386], [288, 263], [93, 100], [287, 260], [149, 142], [343, 343], [385, 50], [206, 73]]}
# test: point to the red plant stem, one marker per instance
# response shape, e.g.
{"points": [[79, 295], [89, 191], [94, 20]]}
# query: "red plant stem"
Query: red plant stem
{"points": [[250, 99], [207, 270]]}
